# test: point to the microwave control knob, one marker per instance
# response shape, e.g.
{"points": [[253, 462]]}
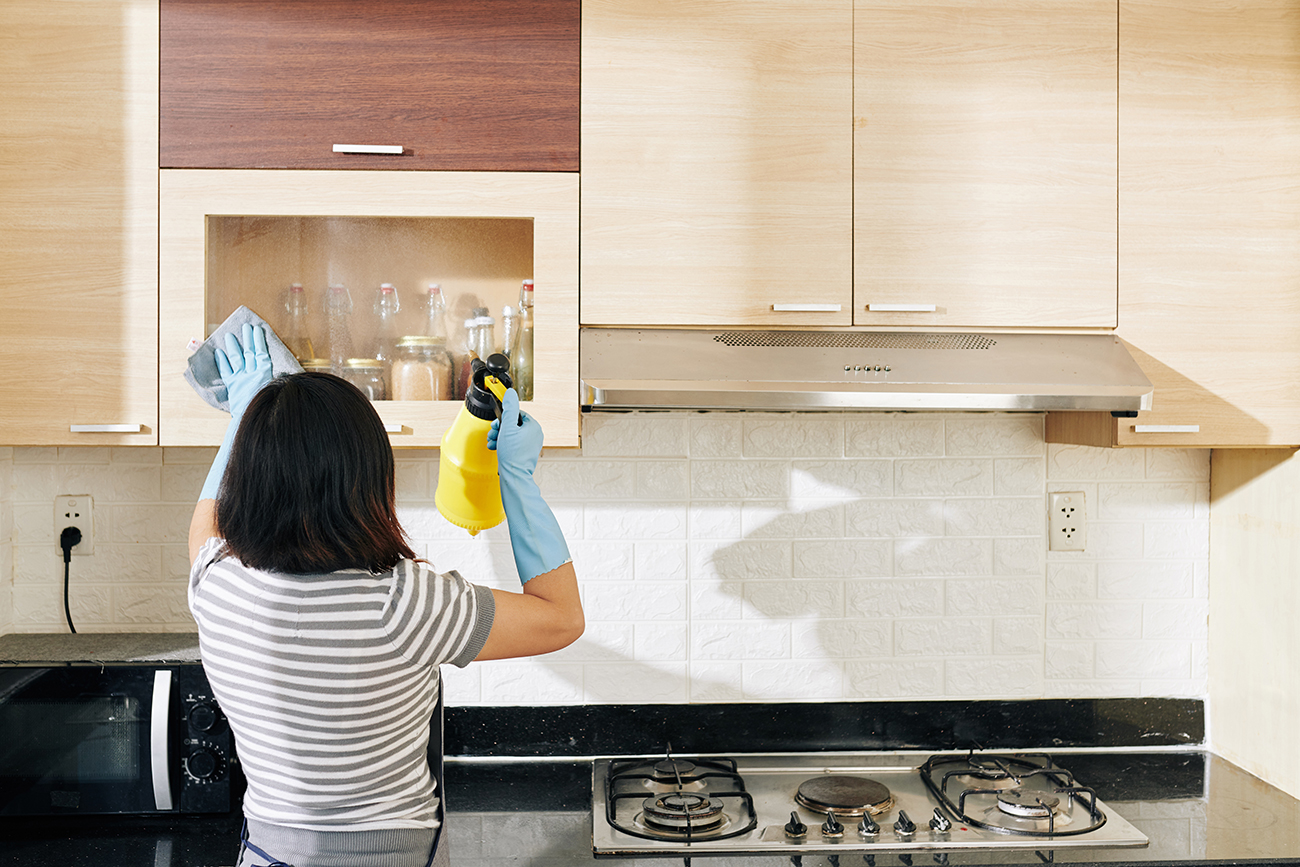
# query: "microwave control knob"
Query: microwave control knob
{"points": [[939, 822], [794, 828], [832, 827], [203, 717], [202, 764], [904, 827]]}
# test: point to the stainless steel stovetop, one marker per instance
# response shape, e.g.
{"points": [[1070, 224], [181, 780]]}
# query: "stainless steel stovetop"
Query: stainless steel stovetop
{"points": [[847, 804]]}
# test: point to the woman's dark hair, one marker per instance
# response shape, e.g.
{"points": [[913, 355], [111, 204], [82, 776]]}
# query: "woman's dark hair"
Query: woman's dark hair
{"points": [[309, 486]]}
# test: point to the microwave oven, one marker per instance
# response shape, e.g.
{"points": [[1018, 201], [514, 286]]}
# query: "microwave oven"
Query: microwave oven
{"points": [[136, 739]]}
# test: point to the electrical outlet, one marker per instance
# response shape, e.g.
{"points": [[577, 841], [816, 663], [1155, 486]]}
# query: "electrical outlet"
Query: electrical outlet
{"points": [[1067, 523], [77, 510]]}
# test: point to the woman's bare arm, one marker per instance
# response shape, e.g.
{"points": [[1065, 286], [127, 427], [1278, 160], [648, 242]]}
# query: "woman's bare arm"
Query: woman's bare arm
{"points": [[545, 617]]}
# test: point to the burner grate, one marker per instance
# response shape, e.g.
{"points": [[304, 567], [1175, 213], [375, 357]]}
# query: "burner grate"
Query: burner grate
{"points": [[701, 817]]}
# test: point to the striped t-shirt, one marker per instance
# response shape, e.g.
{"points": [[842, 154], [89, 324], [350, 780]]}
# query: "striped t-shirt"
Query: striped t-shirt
{"points": [[329, 682]]}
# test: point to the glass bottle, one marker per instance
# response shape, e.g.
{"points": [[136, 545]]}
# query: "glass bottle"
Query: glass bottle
{"points": [[296, 336], [338, 317], [384, 344], [479, 343], [509, 329], [435, 322], [521, 357]]}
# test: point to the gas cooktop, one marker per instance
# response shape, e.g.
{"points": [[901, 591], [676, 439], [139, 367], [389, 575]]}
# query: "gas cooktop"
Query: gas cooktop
{"points": [[846, 803]]}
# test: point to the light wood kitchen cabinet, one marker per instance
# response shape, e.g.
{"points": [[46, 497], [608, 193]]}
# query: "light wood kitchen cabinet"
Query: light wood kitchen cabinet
{"points": [[1209, 222], [453, 85], [716, 162], [984, 156], [78, 223], [232, 237]]}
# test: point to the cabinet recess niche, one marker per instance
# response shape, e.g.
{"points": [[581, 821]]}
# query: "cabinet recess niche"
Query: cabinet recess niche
{"points": [[454, 85]]}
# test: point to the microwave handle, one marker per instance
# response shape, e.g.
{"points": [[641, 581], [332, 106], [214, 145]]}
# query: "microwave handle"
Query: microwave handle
{"points": [[159, 717]]}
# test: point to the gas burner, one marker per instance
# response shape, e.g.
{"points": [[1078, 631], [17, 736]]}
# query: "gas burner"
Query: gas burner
{"points": [[673, 771], [683, 812], [1027, 805], [844, 795]]}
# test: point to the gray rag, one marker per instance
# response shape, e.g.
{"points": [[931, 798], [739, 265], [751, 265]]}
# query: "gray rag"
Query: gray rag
{"points": [[202, 374]]}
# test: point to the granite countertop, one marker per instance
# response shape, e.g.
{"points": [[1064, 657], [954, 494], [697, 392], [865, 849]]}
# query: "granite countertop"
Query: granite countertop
{"points": [[1197, 808], [99, 648]]}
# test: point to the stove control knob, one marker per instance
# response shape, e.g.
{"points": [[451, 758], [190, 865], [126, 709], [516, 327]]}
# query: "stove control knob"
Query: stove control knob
{"points": [[939, 822], [795, 828], [868, 827], [832, 827], [904, 827]]}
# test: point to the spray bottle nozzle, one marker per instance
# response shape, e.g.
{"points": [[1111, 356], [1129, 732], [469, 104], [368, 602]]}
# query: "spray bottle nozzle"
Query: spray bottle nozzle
{"points": [[488, 384]]}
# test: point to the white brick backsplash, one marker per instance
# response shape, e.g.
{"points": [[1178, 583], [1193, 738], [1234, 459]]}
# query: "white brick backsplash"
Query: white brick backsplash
{"points": [[781, 599], [1014, 477], [793, 680], [960, 477], [943, 557], [847, 558], [877, 680], [1001, 516], [813, 435], [739, 557], [994, 678], [993, 435], [953, 636], [808, 520], [635, 435], [1165, 660], [746, 640], [1084, 463], [635, 683], [969, 597], [754, 480], [893, 518], [843, 479], [1093, 620], [893, 436], [894, 598], [824, 638], [661, 561]]}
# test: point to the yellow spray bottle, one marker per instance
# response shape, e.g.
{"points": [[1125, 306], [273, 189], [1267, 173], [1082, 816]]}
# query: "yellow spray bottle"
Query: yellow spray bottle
{"points": [[469, 491]]}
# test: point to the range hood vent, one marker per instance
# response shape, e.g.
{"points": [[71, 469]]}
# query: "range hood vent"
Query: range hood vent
{"points": [[626, 369]]}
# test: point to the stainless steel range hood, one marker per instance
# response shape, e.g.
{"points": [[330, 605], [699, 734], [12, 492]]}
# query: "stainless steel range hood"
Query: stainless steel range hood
{"points": [[668, 368]]}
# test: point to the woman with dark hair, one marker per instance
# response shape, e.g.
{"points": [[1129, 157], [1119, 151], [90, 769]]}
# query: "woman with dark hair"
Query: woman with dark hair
{"points": [[320, 630]]}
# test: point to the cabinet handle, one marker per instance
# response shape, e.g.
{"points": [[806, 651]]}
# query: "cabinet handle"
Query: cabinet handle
{"points": [[807, 308], [367, 149], [1166, 428], [394, 428], [901, 308], [106, 428]]}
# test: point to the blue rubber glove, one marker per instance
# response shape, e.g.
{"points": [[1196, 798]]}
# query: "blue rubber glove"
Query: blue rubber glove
{"points": [[535, 535], [244, 369]]}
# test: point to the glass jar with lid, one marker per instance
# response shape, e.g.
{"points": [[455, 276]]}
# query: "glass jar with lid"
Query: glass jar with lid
{"points": [[422, 369], [320, 365], [367, 374]]}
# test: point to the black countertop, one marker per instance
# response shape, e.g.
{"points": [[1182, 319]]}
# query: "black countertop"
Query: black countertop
{"points": [[1197, 808]]}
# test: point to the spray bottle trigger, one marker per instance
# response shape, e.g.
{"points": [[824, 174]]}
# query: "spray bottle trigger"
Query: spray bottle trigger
{"points": [[498, 389]]}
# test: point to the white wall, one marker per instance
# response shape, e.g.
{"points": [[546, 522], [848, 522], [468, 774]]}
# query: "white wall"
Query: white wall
{"points": [[749, 557]]}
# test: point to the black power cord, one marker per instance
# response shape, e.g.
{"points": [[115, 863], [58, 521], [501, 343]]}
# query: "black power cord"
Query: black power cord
{"points": [[68, 539]]}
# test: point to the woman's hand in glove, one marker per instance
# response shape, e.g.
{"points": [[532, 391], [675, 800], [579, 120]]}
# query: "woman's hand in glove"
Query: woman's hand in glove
{"points": [[244, 369], [520, 447]]}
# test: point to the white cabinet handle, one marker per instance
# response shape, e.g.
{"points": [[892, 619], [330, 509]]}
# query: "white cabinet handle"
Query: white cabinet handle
{"points": [[901, 308], [367, 149], [1166, 428], [393, 428], [106, 428], [807, 308]]}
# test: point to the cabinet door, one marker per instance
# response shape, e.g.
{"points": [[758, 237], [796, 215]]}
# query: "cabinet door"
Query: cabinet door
{"points": [[716, 173], [78, 223], [242, 237], [1210, 219], [457, 85], [985, 164]]}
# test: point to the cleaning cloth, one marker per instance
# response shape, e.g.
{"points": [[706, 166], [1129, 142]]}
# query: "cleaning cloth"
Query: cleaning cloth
{"points": [[202, 374]]}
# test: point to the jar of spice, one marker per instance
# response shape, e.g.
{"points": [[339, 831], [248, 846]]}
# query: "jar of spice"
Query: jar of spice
{"points": [[423, 369], [367, 374]]}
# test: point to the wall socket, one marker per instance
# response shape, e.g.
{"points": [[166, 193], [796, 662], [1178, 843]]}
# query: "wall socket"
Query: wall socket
{"points": [[1067, 522], [77, 510]]}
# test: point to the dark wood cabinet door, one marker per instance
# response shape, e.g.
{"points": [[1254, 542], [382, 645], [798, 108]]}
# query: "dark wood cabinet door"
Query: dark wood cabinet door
{"points": [[459, 85]]}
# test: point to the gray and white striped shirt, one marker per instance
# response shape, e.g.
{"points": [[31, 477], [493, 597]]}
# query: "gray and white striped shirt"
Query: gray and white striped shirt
{"points": [[329, 682]]}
